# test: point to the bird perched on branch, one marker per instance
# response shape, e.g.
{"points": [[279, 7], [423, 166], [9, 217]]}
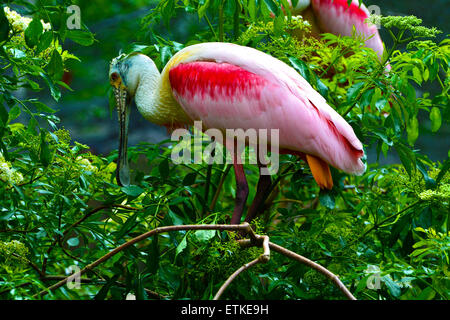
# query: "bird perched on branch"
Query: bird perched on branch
{"points": [[339, 17], [227, 86]]}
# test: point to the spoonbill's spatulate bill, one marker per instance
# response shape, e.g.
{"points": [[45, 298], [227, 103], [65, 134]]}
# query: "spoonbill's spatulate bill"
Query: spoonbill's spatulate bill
{"points": [[227, 86]]}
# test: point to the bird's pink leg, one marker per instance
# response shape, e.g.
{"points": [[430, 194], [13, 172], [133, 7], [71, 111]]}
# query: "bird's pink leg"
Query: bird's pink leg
{"points": [[241, 192], [264, 184], [241, 181]]}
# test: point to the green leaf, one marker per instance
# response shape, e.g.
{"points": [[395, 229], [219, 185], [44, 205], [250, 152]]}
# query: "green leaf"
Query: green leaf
{"points": [[42, 107], [85, 38], [202, 8], [326, 199], [252, 10], [127, 226], [323, 89], [204, 235], [189, 179], [353, 91], [44, 154], [393, 287], [381, 103], [4, 26], [55, 66], [427, 294], [429, 182], [181, 246], [44, 41], [272, 6], [164, 169], [167, 11], [166, 54], [301, 67], [33, 32], [287, 9], [54, 90], [383, 137], [436, 120], [278, 24], [132, 190], [413, 130], [407, 157], [13, 113], [32, 85], [101, 295], [3, 115]]}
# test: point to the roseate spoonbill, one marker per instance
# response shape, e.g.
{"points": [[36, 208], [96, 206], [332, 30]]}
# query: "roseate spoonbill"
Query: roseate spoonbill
{"points": [[339, 18], [227, 86]]}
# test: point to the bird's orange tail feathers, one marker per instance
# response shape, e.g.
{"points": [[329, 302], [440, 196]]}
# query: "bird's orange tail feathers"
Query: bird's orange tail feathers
{"points": [[320, 171]]}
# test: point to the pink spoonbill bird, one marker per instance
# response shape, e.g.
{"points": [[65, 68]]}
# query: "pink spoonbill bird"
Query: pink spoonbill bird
{"points": [[339, 17], [227, 86]]}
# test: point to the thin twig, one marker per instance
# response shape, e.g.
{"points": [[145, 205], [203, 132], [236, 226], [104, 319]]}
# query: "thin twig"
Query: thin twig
{"points": [[234, 275], [31, 264], [263, 258]]}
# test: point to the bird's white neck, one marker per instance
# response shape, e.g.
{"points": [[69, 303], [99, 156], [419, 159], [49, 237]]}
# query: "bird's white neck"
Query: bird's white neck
{"points": [[153, 95], [146, 96]]}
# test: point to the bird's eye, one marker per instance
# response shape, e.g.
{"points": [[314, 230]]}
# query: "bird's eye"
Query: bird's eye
{"points": [[114, 77]]}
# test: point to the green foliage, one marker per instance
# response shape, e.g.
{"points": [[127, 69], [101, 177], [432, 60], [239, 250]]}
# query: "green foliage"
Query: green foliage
{"points": [[60, 205]]}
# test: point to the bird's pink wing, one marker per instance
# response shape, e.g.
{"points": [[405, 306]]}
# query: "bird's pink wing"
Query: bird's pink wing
{"points": [[337, 17], [226, 95]]}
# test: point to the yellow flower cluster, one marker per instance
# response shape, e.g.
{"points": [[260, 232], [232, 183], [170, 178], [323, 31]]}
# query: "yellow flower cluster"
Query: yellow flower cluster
{"points": [[441, 194], [8, 174], [20, 23], [13, 251], [86, 164]]}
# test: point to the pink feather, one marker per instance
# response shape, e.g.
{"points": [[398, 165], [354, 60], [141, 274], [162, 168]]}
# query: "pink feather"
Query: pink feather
{"points": [[337, 17]]}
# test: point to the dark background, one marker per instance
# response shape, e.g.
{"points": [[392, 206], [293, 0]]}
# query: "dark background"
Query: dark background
{"points": [[85, 111]]}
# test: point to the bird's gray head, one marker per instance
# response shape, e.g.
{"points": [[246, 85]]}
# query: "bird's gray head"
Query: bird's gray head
{"points": [[125, 71], [124, 75]]}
